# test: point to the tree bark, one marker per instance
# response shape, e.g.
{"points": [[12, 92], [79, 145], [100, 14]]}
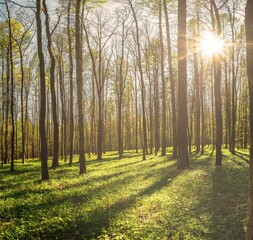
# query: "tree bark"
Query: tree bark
{"points": [[183, 160], [55, 162], [217, 92], [42, 127], [79, 81]]}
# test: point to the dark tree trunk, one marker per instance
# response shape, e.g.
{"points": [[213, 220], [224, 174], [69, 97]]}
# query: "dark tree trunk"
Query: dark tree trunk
{"points": [[42, 127], [217, 92], [183, 160]]}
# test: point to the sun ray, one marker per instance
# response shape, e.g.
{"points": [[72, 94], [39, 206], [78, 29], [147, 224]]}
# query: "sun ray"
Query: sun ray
{"points": [[211, 45]]}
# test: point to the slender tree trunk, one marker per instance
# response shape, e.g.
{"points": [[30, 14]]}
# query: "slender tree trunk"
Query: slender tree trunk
{"points": [[55, 162], [144, 127], [120, 146], [2, 110], [136, 112], [22, 104], [249, 52], [228, 118], [79, 80], [197, 103], [163, 153], [63, 105], [183, 160], [233, 100], [42, 127], [172, 81], [7, 99], [92, 128], [71, 90], [100, 129], [217, 93], [12, 90]]}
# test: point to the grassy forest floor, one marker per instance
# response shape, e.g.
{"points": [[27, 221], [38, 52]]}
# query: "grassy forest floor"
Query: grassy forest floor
{"points": [[127, 199]]}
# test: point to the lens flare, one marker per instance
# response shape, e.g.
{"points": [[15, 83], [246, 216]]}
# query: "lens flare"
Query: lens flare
{"points": [[211, 45]]}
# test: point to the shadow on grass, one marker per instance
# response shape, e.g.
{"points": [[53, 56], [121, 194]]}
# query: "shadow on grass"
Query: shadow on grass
{"points": [[224, 202], [243, 156], [228, 202], [238, 159], [197, 160], [100, 218]]}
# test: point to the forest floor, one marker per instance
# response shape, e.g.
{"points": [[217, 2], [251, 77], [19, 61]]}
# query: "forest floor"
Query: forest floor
{"points": [[127, 199]]}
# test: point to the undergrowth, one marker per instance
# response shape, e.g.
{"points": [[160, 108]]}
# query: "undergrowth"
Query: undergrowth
{"points": [[127, 199]]}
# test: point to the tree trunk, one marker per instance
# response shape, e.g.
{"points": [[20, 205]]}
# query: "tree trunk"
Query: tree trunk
{"points": [[183, 160], [163, 82], [55, 162], [7, 99], [42, 127], [12, 90], [79, 81], [71, 90], [217, 92], [249, 52], [139, 59], [197, 102], [172, 81]]}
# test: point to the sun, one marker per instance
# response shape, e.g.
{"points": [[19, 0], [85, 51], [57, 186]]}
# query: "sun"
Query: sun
{"points": [[211, 45]]}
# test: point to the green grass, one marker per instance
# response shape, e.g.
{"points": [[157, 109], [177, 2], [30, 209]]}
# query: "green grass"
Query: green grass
{"points": [[127, 199]]}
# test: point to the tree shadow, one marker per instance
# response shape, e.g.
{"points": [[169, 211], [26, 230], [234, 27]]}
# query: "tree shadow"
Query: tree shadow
{"points": [[243, 156], [228, 201], [100, 218]]}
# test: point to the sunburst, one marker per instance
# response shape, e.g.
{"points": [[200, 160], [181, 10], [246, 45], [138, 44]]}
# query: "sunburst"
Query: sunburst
{"points": [[211, 45]]}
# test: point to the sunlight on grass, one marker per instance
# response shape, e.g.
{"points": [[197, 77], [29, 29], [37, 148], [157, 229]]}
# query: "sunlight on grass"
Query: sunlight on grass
{"points": [[126, 199]]}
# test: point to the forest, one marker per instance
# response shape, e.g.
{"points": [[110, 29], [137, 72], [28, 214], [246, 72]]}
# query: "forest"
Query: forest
{"points": [[126, 119]]}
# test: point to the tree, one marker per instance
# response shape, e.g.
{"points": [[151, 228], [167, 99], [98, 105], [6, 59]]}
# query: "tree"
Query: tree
{"points": [[79, 83], [55, 162], [217, 90], [71, 111], [100, 65], [163, 83], [183, 160], [120, 78], [172, 81], [43, 140], [139, 59], [12, 88], [249, 52], [21, 39]]}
